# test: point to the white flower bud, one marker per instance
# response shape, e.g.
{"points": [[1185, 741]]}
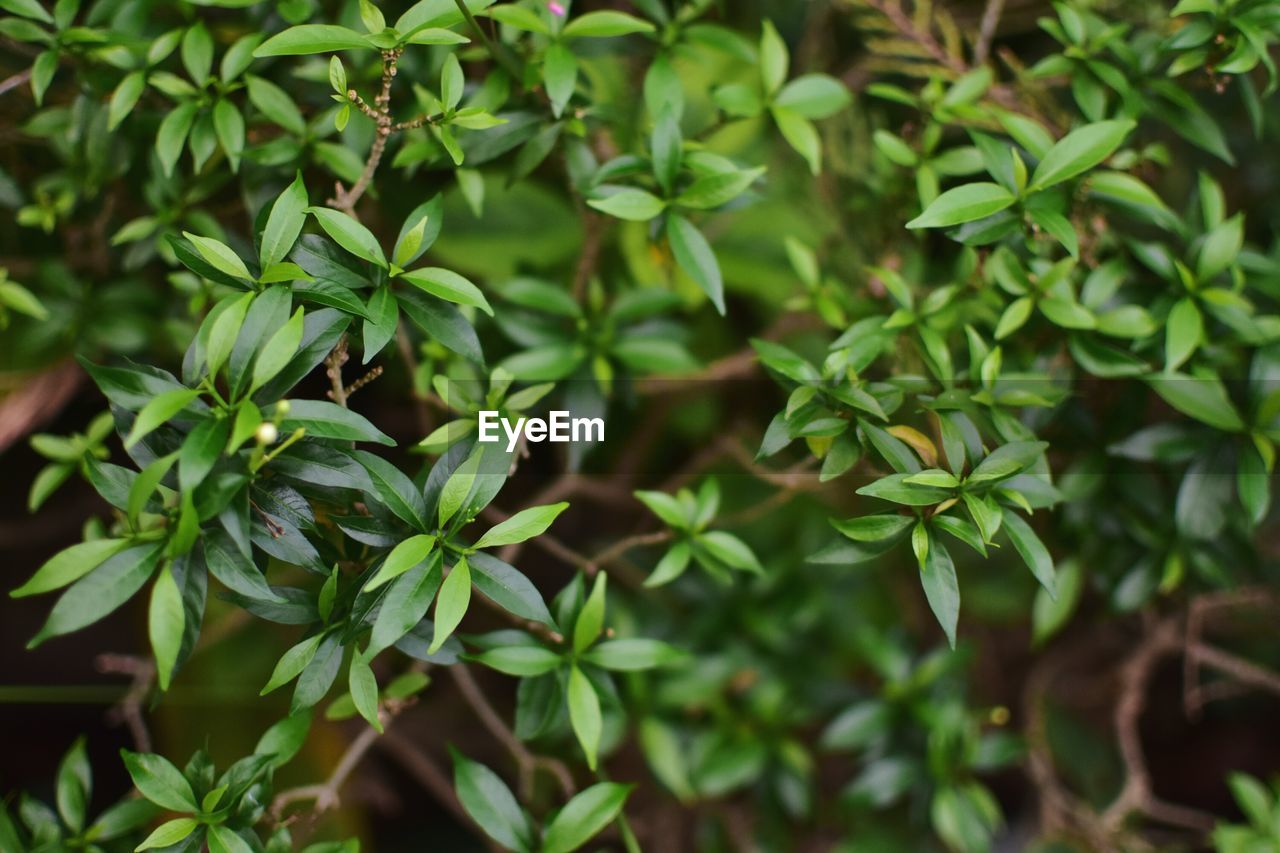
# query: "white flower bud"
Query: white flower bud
{"points": [[267, 434]]}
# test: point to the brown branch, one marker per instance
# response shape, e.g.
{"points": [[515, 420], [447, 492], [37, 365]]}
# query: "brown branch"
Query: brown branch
{"points": [[38, 399], [15, 81], [987, 30], [381, 114], [129, 708], [527, 762], [333, 369], [326, 795], [427, 773]]}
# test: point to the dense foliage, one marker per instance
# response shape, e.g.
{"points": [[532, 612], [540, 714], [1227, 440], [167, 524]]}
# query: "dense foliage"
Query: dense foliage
{"points": [[883, 306]]}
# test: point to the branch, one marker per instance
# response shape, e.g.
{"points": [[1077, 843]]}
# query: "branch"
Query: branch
{"points": [[987, 30], [15, 81], [129, 708], [526, 761], [381, 114]]}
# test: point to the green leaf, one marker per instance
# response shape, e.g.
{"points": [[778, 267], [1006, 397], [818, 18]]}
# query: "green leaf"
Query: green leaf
{"points": [[458, 487], [560, 74], [525, 524], [964, 204], [323, 419], [1184, 332], [228, 125], [605, 24], [449, 286], [774, 58], [712, 191], [874, 528], [311, 38], [350, 234], [169, 833], [145, 484], [364, 689], [394, 489], [1079, 151], [292, 663], [801, 135], [519, 18], [159, 411], [632, 655], [814, 96], [197, 53], [451, 605], [402, 558], [584, 816], [223, 333], [1201, 397], [590, 620], [451, 82], [284, 223], [125, 97], [74, 785], [666, 149], [159, 781], [278, 351], [694, 255], [729, 549], [630, 204], [222, 839], [671, 566], [1220, 248], [584, 716], [70, 565], [166, 622], [275, 103], [380, 326], [520, 661], [200, 451], [938, 577], [490, 803], [1007, 460], [1032, 550], [173, 133], [405, 603], [1049, 614], [508, 588], [219, 255], [27, 9]]}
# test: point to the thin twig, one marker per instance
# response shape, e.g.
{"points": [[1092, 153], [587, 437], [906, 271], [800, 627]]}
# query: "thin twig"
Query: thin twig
{"points": [[15, 81], [333, 369], [129, 708], [527, 763], [987, 30]]}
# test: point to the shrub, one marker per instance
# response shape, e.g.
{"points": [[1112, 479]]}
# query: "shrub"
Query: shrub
{"points": [[880, 307]]}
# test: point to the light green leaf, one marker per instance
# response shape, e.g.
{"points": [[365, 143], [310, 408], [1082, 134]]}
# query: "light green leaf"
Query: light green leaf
{"points": [[159, 411], [311, 38], [694, 255], [605, 24], [1079, 151], [349, 234], [964, 204], [452, 602], [584, 715], [449, 286], [631, 204], [219, 255], [525, 524], [166, 622], [585, 815]]}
